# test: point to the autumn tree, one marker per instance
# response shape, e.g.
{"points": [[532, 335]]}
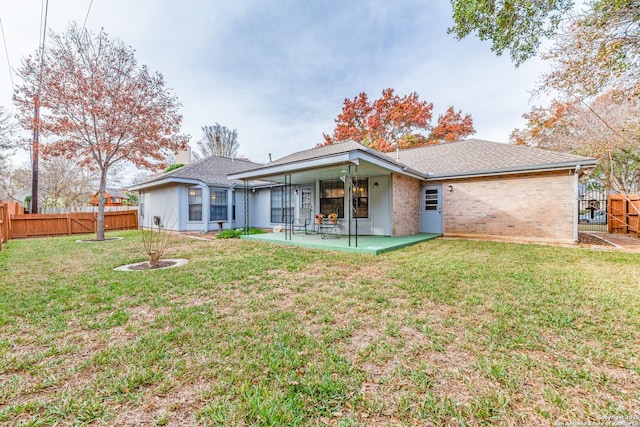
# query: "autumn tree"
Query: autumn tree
{"points": [[452, 126], [597, 52], [391, 122], [217, 140], [607, 128], [98, 106]]}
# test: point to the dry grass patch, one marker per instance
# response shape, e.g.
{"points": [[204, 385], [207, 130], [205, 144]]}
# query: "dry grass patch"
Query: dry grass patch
{"points": [[442, 333]]}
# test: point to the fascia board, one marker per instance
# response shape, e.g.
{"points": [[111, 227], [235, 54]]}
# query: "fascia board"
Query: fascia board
{"points": [[165, 181], [387, 164], [291, 167], [512, 171]]}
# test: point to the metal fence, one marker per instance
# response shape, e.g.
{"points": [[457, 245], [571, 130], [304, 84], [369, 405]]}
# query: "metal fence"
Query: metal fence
{"points": [[593, 210]]}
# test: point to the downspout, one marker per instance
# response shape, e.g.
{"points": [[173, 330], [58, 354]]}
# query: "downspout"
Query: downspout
{"points": [[576, 202]]}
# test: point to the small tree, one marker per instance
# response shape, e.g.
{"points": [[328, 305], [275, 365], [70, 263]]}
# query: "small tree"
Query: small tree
{"points": [[154, 240], [217, 140], [98, 106]]}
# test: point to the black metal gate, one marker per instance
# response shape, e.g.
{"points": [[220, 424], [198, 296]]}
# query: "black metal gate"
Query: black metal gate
{"points": [[592, 208]]}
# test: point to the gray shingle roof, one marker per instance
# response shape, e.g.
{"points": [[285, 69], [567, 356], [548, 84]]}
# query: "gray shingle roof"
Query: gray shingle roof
{"points": [[328, 150], [114, 192], [476, 156], [211, 170]]}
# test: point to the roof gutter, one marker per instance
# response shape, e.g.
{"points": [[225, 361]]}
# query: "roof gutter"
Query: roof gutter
{"points": [[532, 169], [164, 181], [304, 165]]}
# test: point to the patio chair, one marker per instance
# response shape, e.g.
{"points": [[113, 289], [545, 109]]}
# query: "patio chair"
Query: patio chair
{"points": [[328, 228], [299, 226], [302, 225]]}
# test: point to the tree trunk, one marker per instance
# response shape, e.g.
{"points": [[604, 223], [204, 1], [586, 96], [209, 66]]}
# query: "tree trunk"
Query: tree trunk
{"points": [[153, 259], [101, 190]]}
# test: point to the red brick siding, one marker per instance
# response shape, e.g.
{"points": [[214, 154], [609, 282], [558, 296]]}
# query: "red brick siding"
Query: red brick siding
{"points": [[533, 207], [405, 214]]}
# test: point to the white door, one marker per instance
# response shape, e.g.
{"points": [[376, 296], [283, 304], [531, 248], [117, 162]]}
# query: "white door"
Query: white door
{"points": [[431, 215], [306, 206]]}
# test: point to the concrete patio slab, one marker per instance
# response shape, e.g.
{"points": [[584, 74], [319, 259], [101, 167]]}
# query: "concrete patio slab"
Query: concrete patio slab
{"points": [[374, 245]]}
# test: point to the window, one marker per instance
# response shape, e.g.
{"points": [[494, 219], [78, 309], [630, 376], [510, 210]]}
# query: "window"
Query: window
{"points": [[332, 197], [281, 205], [360, 198], [218, 208], [233, 205], [430, 200], [195, 204], [305, 199]]}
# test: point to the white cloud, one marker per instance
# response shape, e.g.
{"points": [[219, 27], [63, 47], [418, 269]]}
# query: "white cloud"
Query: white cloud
{"points": [[278, 71]]}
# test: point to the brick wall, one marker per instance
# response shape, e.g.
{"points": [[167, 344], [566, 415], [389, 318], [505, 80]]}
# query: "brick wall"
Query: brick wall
{"points": [[405, 214], [532, 207]]}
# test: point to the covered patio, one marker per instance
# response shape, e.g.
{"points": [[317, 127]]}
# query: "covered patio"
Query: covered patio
{"points": [[373, 245], [355, 183]]}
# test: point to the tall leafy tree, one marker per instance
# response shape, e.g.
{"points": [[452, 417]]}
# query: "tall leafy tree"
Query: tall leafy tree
{"points": [[217, 140], [392, 121], [607, 128], [98, 106], [595, 50], [515, 26], [598, 51]]}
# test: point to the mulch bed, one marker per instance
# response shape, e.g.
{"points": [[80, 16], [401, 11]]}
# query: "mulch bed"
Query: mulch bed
{"points": [[106, 239], [590, 239], [145, 265]]}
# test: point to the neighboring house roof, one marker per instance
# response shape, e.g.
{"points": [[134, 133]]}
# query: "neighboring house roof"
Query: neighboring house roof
{"points": [[476, 157], [114, 192], [210, 171]]}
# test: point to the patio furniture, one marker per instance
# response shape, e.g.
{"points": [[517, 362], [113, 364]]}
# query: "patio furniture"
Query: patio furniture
{"points": [[329, 228], [299, 226]]}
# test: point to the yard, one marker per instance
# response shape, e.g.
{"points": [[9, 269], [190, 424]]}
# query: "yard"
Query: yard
{"points": [[444, 332]]}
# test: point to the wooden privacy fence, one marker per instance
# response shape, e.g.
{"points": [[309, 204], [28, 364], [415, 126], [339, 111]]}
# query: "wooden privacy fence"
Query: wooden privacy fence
{"points": [[7, 210], [624, 213], [23, 226]]}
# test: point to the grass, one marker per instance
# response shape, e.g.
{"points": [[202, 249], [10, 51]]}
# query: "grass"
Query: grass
{"points": [[445, 332]]}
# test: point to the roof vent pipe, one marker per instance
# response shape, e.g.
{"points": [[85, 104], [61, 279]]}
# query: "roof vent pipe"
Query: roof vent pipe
{"points": [[398, 153], [269, 157]]}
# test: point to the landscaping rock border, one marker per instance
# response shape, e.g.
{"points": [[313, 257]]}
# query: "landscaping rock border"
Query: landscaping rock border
{"points": [[107, 239], [162, 264]]}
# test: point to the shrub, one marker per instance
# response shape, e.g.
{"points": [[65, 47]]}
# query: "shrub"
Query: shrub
{"points": [[173, 167], [235, 234], [229, 234]]}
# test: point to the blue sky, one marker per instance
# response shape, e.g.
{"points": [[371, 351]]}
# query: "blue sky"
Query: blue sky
{"points": [[279, 71]]}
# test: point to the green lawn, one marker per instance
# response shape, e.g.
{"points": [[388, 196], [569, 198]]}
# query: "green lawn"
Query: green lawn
{"points": [[444, 332]]}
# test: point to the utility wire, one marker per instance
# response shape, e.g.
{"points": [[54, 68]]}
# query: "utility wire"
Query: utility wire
{"points": [[44, 37], [87, 16], [6, 51]]}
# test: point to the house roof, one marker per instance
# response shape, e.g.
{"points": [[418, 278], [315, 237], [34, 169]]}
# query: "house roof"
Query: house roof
{"points": [[211, 171], [324, 151], [476, 157], [114, 192], [327, 156]]}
